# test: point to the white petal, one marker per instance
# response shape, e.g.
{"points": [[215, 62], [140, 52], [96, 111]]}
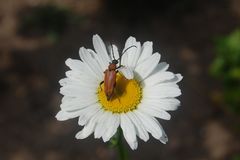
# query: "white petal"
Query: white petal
{"points": [[64, 115], [61, 116], [101, 50], [131, 41], [102, 125], [86, 131], [91, 63], [76, 75], [129, 131], [162, 90], [150, 124], [167, 104], [87, 113], [157, 78], [147, 66], [140, 129], [114, 52], [91, 84], [114, 122], [161, 67], [84, 79], [82, 98], [76, 91], [75, 64], [67, 98], [79, 69], [152, 111], [127, 72], [102, 64], [133, 54], [89, 127], [147, 51], [78, 103], [163, 138], [93, 54], [98, 58], [124, 60], [177, 78]]}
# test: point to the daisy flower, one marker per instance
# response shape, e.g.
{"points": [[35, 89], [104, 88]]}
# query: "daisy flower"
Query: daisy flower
{"points": [[144, 91]]}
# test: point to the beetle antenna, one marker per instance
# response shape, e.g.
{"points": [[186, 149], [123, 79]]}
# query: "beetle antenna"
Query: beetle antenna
{"points": [[126, 51], [120, 56]]}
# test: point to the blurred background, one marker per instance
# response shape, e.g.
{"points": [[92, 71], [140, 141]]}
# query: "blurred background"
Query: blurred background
{"points": [[200, 39]]}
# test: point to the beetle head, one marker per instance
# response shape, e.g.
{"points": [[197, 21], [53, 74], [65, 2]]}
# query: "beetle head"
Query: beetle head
{"points": [[115, 61]]}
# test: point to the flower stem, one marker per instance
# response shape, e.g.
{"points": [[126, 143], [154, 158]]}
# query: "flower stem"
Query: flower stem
{"points": [[117, 142], [121, 150]]}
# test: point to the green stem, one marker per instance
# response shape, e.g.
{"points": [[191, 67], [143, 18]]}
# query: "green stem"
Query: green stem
{"points": [[120, 146], [117, 142]]}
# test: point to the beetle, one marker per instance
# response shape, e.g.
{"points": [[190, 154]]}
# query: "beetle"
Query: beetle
{"points": [[110, 74]]}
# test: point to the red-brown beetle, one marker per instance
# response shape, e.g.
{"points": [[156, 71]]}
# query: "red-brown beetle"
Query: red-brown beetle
{"points": [[110, 74]]}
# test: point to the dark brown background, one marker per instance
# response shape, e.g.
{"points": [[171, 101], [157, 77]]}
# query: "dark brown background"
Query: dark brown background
{"points": [[32, 61]]}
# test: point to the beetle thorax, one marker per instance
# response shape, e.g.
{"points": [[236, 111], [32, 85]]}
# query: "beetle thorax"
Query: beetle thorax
{"points": [[112, 66]]}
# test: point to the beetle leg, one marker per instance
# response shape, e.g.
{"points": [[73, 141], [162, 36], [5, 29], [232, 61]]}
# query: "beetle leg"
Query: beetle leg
{"points": [[119, 66], [101, 84]]}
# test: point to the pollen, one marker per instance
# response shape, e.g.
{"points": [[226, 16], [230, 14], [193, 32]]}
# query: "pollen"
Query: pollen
{"points": [[126, 96]]}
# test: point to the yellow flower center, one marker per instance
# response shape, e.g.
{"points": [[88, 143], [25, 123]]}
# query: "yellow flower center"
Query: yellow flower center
{"points": [[127, 95]]}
